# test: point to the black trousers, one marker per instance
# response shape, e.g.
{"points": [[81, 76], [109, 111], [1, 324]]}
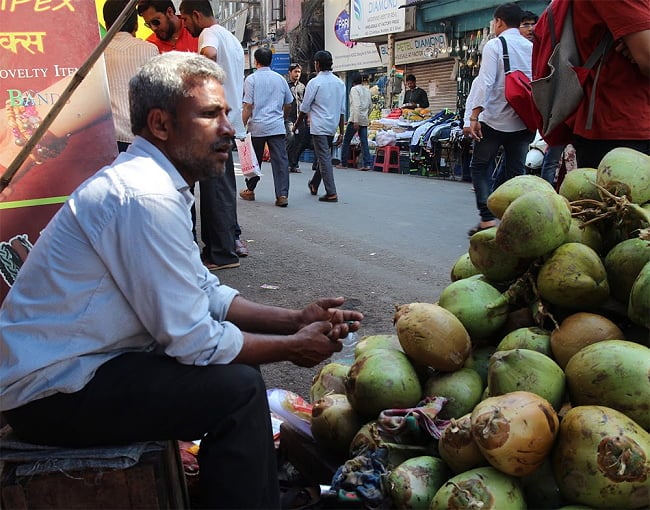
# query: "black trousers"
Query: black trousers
{"points": [[219, 226], [590, 152], [144, 396]]}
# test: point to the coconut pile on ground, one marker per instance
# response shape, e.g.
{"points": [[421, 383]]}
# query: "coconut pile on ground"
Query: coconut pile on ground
{"points": [[527, 385]]}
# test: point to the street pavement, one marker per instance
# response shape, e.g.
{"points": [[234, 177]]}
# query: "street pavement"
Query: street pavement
{"points": [[391, 239]]}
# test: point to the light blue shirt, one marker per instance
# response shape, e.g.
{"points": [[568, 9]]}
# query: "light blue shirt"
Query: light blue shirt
{"points": [[489, 91], [115, 270], [268, 92], [325, 102]]}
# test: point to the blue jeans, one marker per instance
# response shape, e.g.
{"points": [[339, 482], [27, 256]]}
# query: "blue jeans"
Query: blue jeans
{"points": [[279, 162], [551, 162], [363, 140], [324, 170], [515, 146]]}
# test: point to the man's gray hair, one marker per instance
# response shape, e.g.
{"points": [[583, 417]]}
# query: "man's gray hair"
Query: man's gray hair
{"points": [[164, 80]]}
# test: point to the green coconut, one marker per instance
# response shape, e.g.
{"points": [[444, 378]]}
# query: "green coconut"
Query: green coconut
{"points": [[601, 459], [480, 307], [329, 379], [382, 379], [432, 336], [334, 423], [573, 277], [490, 260], [478, 361], [534, 224], [623, 264], [533, 338], [415, 481], [462, 389], [580, 184], [638, 307], [526, 370], [625, 172], [585, 234], [463, 268], [612, 373], [457, 446], [484, 488], [376, 342], [506, 193]]}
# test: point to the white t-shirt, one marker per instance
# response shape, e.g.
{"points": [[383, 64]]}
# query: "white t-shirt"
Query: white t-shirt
{"points": [[230, 56]]}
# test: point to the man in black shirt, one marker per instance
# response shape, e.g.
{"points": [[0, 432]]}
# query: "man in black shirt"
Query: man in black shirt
{"points": [[414, 97]]}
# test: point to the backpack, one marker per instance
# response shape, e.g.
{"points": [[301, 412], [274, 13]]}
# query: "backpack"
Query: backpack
{"points": [[518, 92], [558, 75]]}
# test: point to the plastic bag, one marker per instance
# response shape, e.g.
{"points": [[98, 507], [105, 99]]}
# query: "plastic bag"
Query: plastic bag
{"points": [[247, 159], [384, 138]]}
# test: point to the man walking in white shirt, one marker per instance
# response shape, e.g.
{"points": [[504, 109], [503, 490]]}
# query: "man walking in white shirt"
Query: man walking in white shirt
{"points": [[493, 122], [324, 101], [360, 107], [267, 99]]}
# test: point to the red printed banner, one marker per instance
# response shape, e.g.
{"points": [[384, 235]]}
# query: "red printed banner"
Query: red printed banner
{"points": [[42, 44]]}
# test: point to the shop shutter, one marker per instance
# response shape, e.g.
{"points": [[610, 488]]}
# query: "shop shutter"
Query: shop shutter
{"points": [[436, 71]]}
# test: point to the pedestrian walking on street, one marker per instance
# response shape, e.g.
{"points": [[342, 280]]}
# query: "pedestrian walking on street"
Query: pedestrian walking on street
{"points": [[324, 101], [493, 122], [267, 99], [298, 142], [358, 121]]}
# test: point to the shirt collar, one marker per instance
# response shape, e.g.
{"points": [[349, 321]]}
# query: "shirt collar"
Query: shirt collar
{"points": [[144, 148]]}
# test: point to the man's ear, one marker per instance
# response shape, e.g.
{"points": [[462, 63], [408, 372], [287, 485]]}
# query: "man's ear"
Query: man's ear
{"points": [[159, 123]]}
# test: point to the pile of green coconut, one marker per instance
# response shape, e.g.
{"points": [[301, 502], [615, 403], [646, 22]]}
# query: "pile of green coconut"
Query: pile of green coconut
{"points": [[534, 362]]}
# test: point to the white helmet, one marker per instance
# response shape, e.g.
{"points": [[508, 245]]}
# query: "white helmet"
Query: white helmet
{"points": [[534, 159]]}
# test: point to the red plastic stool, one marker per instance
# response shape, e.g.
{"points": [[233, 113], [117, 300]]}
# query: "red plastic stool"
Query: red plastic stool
{"points": [[386, 159]]}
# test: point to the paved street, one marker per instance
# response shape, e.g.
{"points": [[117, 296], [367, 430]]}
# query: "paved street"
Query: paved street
{"points": [[390, 239]]}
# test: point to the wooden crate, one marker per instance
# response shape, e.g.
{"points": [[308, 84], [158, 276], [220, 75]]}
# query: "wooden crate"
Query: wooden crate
{"points": [[156, 482]]}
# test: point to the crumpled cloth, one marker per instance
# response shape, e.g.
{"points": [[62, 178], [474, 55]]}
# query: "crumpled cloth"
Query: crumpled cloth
{"points": [[33, 459], [365, 475], [423, 417]]}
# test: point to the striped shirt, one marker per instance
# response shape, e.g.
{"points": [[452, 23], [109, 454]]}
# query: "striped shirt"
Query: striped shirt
{"points": [[123, 56], [268, 92]]}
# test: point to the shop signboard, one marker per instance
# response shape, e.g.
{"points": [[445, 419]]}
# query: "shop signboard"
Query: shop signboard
{"points": [[376, 17], [418, 49], [42, 45], [346, 54]]}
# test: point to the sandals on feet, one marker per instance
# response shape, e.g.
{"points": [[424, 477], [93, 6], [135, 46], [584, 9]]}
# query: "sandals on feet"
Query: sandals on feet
{"points": [[312, 189], [328, 198], [478, 228]]}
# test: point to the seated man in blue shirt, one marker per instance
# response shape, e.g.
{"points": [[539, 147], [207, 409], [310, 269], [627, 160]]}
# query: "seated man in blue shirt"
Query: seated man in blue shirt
{"points": [[114, 331]]}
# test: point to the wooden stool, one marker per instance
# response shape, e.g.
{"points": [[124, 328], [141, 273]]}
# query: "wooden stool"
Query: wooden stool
{"points": [[156, 482], [353, 156], [387, 159]]}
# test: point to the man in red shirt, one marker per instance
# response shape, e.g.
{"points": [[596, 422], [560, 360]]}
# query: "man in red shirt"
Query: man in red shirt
{"points": [[169, 33], [622, 99]]}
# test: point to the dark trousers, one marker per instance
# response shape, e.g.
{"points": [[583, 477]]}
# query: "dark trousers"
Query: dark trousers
{"points": [[146, 397], [279, 166], [590, 152], [219, 226], [297, 144], [515, 147]]}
